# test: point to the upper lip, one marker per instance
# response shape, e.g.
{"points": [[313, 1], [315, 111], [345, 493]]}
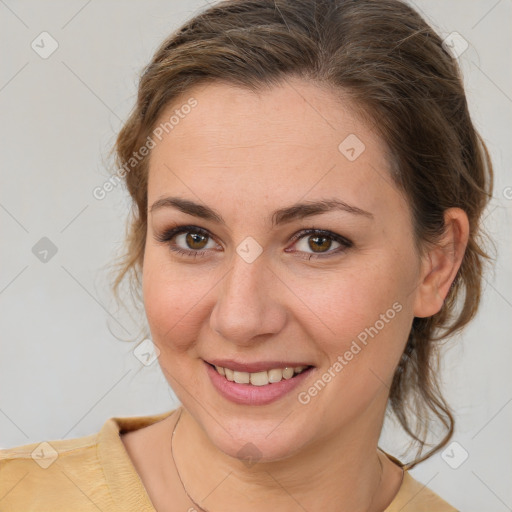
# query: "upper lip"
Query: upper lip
{"points": [[257, 366]]}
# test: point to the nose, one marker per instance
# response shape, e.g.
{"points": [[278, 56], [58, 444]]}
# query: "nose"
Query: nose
{"points": [[248, 305]]}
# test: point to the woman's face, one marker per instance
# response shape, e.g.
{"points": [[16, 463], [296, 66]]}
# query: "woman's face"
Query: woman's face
{"points": [[250, 285]]}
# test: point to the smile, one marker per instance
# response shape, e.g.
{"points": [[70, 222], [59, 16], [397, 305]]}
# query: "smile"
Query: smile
{"points": [[261, 378], [256, 383]]}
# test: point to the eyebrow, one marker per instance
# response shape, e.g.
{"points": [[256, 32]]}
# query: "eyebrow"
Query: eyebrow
{"points": [[281, 216]]}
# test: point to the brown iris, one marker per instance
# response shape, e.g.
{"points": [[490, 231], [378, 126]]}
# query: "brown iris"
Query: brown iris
{"points": [[319, 242], [196, 240]]}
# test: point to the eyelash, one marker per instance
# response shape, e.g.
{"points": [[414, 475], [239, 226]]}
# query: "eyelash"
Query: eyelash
{"points": [[169, 234]]}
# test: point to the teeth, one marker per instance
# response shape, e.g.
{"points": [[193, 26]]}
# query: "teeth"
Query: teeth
{"points": [[275, 375], [260, 378], [288, 373], [241, 377]]}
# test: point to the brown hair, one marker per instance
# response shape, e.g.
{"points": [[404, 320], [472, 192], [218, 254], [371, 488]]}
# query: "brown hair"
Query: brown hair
{"points": [[393, 66]]}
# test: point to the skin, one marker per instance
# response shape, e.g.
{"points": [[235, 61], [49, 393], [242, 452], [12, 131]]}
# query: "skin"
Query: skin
{"points": [[246, 155]]}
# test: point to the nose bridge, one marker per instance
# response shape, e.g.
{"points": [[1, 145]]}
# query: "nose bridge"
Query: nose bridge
{"points": [[246, 306]]}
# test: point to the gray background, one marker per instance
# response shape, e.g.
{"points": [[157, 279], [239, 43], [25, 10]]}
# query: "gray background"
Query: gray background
{"points": [[63, 370]]}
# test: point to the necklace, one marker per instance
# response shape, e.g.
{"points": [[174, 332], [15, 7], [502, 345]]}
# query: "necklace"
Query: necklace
{"points": [[201, 509]]}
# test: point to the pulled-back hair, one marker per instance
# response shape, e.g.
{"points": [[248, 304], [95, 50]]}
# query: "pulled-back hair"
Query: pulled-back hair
{"points": [[393, 67]]}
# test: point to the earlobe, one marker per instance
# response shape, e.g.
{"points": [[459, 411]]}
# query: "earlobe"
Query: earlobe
{"points": [[441, 263]]}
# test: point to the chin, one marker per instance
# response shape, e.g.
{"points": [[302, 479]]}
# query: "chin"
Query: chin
{"points": [[257, 441], [263, 433]]}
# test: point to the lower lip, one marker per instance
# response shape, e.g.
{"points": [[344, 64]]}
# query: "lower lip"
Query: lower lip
{"points": [[247, 394]]}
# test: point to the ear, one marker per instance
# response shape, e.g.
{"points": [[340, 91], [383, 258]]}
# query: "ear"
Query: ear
{"points": [[440, 264]]}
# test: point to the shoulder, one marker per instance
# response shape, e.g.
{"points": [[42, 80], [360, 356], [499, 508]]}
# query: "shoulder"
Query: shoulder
{"points": [[31, 474], [413, 496], [82, 474]]}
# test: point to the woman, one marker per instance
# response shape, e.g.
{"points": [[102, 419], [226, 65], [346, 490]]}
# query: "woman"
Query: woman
{"points": [[307, 188]]}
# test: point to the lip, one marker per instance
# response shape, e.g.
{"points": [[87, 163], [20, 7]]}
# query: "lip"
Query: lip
{"points": [[258, 366], [247, 394]]}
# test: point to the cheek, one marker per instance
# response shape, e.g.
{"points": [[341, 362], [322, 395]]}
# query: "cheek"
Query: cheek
{"points": [[351, 299], [173, 299], [368, 319], [362, 314]]}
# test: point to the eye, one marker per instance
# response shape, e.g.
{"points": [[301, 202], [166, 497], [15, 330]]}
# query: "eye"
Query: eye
{"points": [[319, 243], [190, 241], [193, 241]]}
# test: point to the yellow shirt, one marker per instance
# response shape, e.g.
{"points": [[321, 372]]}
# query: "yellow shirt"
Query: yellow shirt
{"points": [[95, 473]]}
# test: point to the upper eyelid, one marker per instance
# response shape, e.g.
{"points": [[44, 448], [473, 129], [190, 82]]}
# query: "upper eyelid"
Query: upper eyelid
{"points": [[170, 233], [313, 231]]}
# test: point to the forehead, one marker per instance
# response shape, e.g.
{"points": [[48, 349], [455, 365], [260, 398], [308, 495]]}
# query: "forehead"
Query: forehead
{"points": [[295, 113], [295, 140]]}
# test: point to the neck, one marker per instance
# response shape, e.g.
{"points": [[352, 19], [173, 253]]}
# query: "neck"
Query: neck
{"points": [[339, 472]]}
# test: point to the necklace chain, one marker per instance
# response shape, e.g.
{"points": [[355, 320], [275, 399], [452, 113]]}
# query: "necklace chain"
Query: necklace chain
{"points": [[201, 509]]}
